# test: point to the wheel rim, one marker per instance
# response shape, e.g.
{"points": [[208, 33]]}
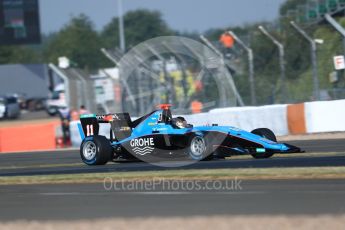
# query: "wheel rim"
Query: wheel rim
{"points": [[198, 147], [89, 150]]}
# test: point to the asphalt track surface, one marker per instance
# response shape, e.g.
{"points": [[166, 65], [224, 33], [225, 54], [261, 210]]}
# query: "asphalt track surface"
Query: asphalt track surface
{"points": [[90, 201], [69, 162], [164, 198]]}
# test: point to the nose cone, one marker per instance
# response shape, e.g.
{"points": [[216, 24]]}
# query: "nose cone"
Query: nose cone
{"points": [[283, 147], [291, 149]]}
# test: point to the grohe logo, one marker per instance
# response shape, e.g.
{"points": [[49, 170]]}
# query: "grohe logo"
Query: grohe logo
{"points": [[142, 146]]}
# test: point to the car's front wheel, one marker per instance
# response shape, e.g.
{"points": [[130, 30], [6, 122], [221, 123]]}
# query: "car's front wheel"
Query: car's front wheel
{"points": [[197, 148], [95, 150], [268, 134]]}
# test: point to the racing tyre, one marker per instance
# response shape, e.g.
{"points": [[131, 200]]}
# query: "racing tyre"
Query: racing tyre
{"points": [[95, 150], [268, 134], [197, 148]]}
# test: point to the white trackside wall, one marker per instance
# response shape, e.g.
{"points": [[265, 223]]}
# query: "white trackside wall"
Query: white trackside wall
{"points": [[273, 117], [323, 116]]}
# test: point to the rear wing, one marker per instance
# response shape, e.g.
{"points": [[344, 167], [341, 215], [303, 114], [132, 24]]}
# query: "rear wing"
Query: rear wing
{"points": [[120, 125]]}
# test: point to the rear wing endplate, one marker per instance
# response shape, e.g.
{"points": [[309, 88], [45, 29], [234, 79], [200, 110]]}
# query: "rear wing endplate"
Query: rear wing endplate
{"points": [[120, 125]]}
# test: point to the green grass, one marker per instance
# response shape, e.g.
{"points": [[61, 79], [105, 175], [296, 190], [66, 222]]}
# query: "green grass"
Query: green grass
{"points": [[205, 174], [229, 158], [179, 174]]}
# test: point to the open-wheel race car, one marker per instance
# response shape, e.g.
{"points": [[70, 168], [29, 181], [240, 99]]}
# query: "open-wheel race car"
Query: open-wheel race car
{"points": [[158, 136]]}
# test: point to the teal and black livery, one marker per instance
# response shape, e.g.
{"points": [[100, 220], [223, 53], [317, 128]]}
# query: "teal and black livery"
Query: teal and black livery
{"points": [[158, 136]]}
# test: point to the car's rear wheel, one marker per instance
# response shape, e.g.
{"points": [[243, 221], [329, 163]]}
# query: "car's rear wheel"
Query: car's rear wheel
{"points": [[268, 134], [95, 150]]}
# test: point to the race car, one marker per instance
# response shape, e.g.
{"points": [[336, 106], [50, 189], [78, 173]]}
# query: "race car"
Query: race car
{"points": [[158, 136]]}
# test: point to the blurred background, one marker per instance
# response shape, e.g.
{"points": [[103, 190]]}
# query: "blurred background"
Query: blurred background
{"points": [[57, 54]]}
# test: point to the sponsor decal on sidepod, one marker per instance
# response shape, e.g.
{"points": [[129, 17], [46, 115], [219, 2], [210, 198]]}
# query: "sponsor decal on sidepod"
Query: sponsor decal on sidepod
{"points": [[142, 146]]}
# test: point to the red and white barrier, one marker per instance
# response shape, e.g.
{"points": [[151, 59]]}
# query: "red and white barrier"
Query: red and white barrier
{"points": [[310, 117]]}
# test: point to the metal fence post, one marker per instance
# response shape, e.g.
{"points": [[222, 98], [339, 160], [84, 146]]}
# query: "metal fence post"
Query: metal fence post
{"points": [[250, 65], [316, 86], [336, 26], [281, 60], [228, 74]]}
